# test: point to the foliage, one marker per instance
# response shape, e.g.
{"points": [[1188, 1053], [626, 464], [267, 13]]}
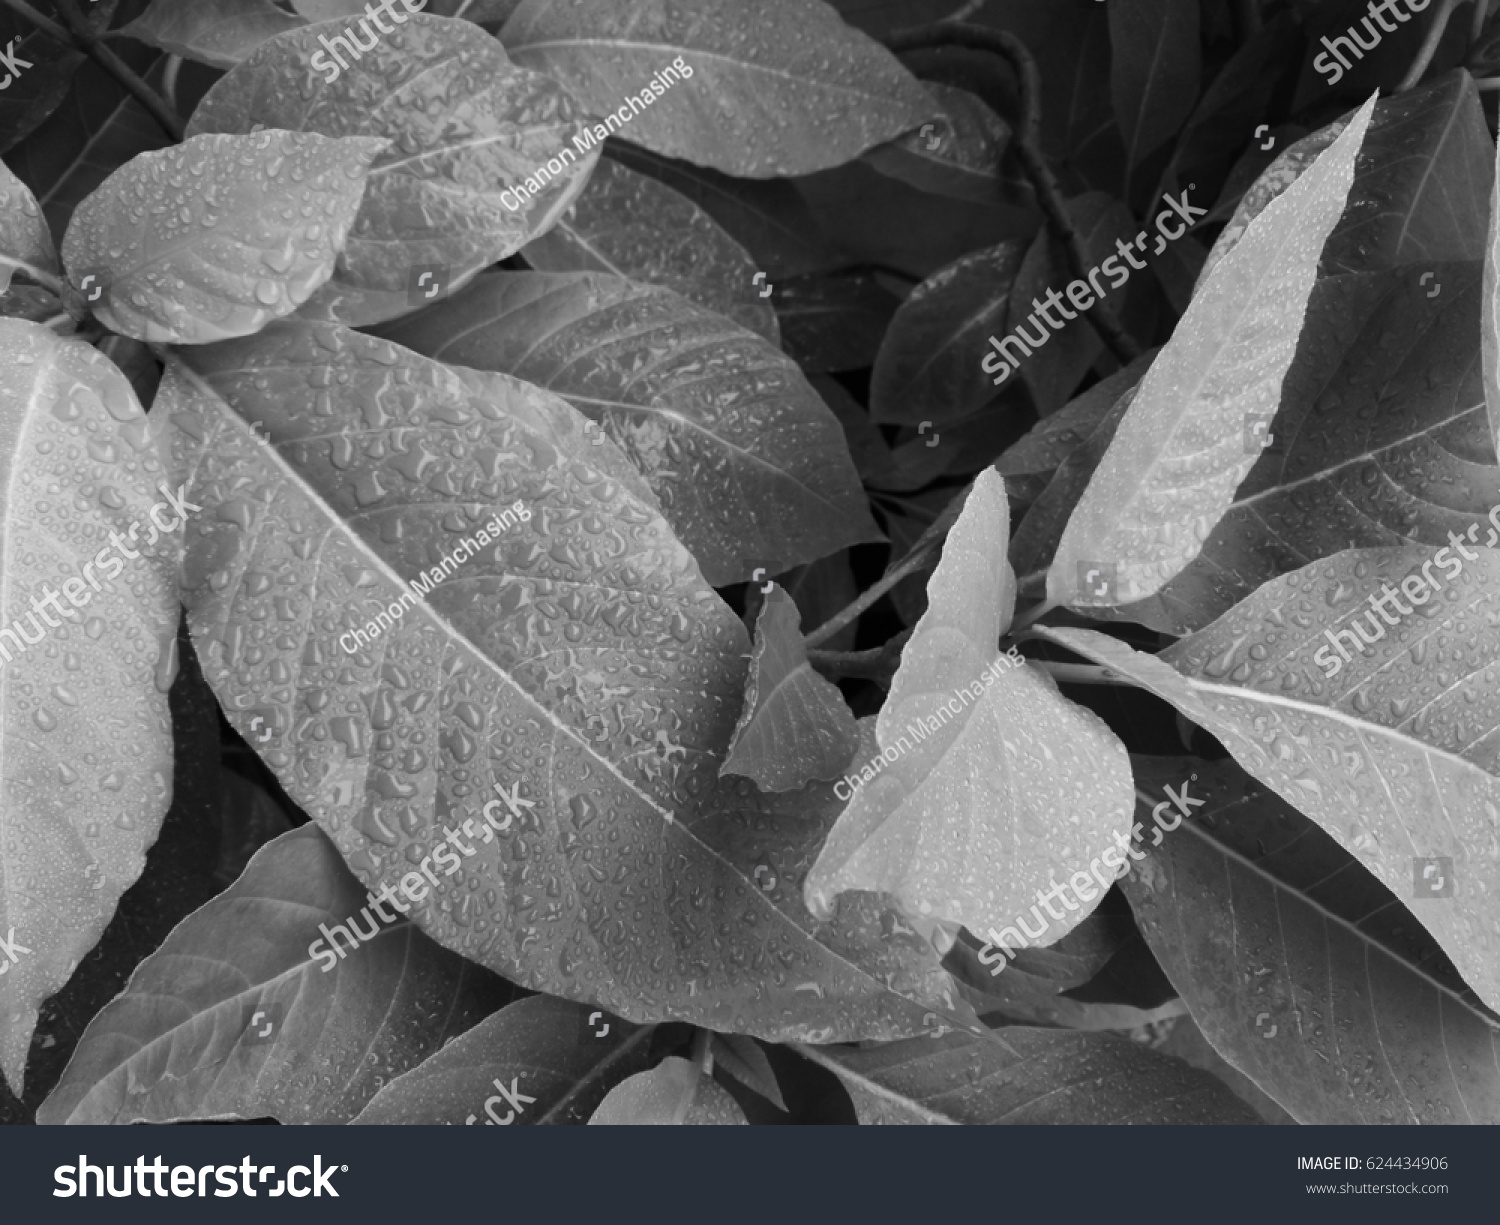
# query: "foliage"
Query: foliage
{"points": [[662, 624]]}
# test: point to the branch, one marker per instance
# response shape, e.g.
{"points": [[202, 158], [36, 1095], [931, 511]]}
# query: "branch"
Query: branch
{"points": [[85, 37], [1480, 8], [1080, 674], [1487, 84], [909, 564], [1429, 46], [1028, 147], [877, 664]]}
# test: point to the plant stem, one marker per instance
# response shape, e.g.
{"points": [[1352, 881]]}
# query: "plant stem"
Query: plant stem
{"points": [[876, 664], [1080, 674], [1480, 9], [703, 1054], [1429, 46], [909, 564], [45, 24], [88, 40], [1487, 83], [41, 276], [1031, 616], [1028, 147]]}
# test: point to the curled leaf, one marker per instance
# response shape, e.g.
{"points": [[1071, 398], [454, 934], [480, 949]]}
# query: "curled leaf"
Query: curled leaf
{"points": [[795, 725]]}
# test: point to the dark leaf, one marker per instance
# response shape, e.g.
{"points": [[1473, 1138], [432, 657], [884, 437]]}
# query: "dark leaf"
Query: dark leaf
{"points": [[833, 321]]}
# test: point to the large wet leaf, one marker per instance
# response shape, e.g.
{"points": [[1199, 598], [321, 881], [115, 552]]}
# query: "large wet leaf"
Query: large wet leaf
{"points": [[963, 822], [215, 237], [25, 241], [1047, 445], [749, 464], [1419, 194], [833, 321], [579, 665], [1026, 1076], [795, 726], [929, 364], [565, 1056], [244, 1012], [781, 87], [1179, 453], [629, 225], [85, 734], [1350, 1014], [1379, 438], [1394, 752], [217, 32], [466, 126]]}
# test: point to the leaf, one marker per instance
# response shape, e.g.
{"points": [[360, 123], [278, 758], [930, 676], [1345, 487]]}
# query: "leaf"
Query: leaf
{"points": [[466, 126], [1186, 1042], [1351, 1015], [85, 733], [750, 467], [471, 10], [1332, 477], [1154, 71], [873, 219], [25, 242], [217, 32], [563, 1055], [587, 619], [1049, 443], [765, 216], [1225, 363], [1490, 311], [629, 225], [833, 321], [97, 129], [965, 826], [928, 367], [186, 1040], [794, 89], [1415, 197], [743, 1059], [230, 256], [795, 726], [957, 155], [1394, 756], [672, 1093], [175, 881], [1025, 1076]]}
